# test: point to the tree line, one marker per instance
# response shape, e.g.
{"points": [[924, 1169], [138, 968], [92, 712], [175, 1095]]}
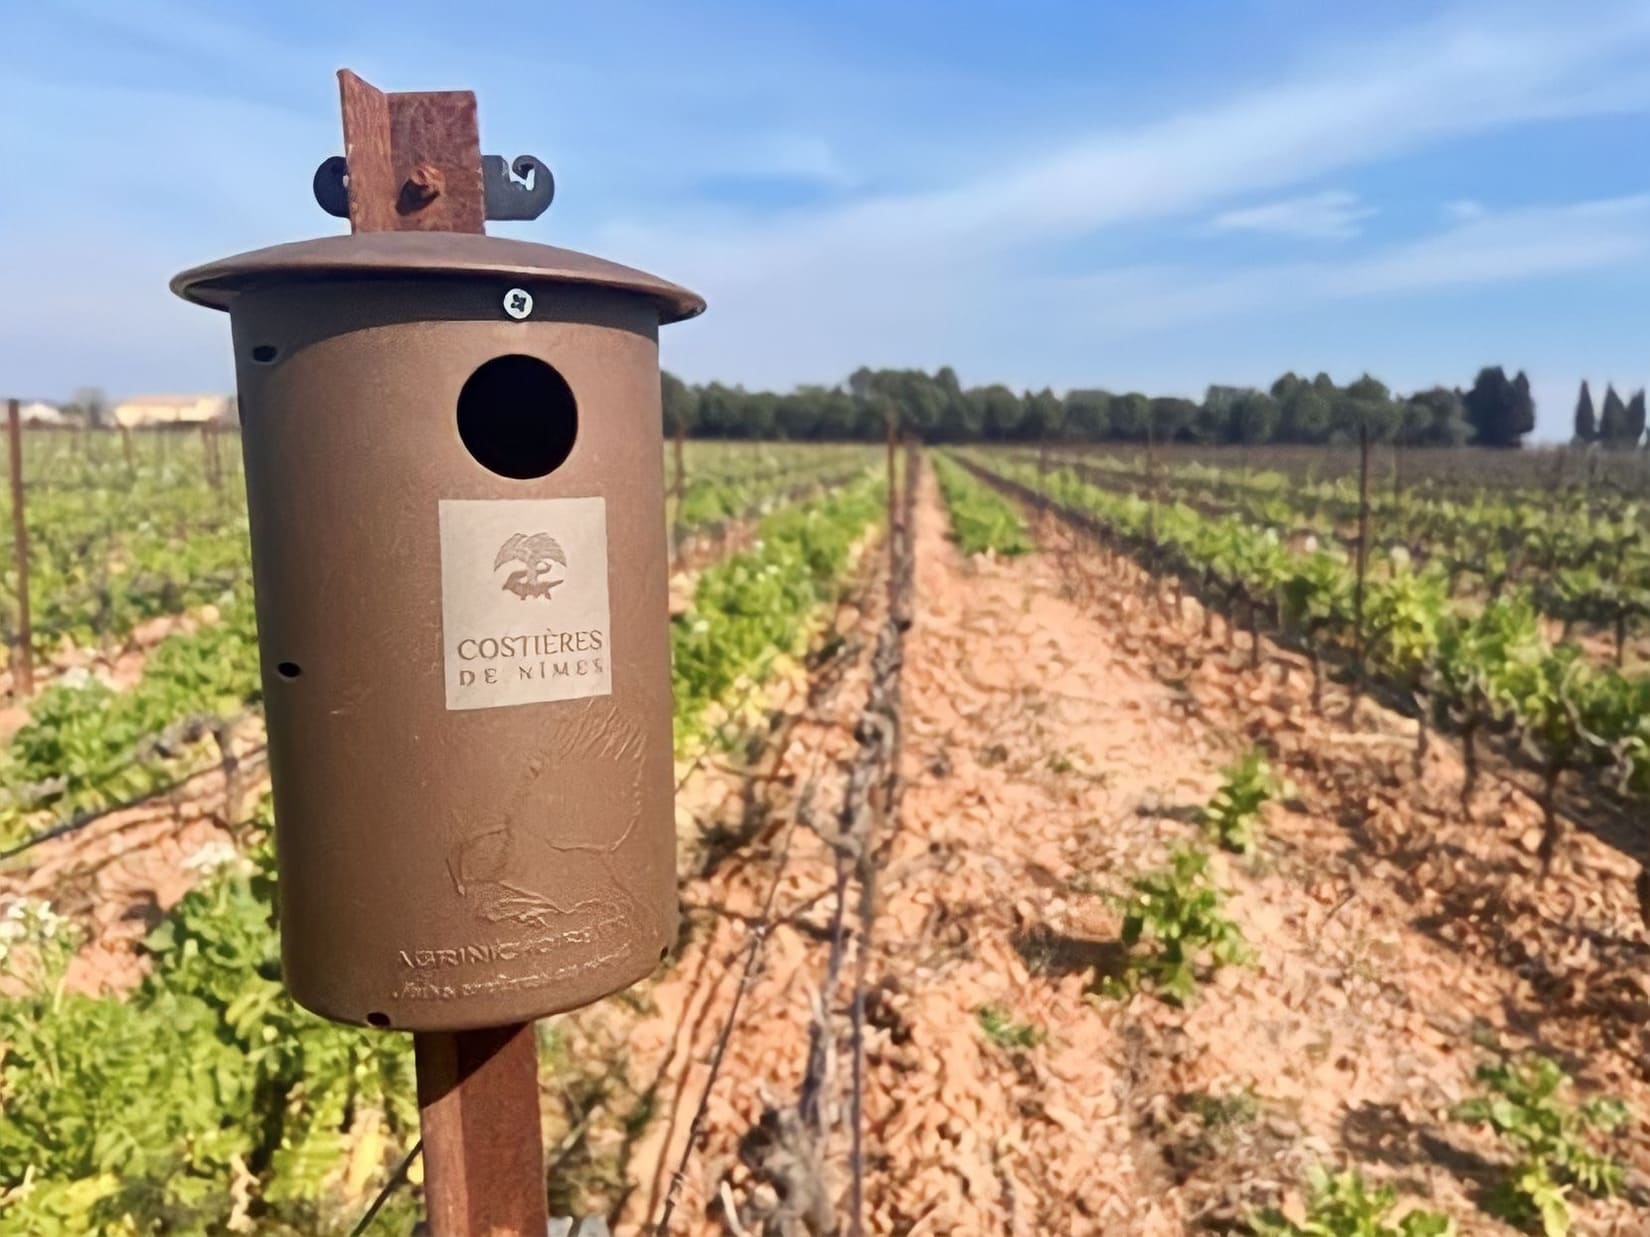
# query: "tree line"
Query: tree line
{"points": [[1495, 411], [1620, 427]]}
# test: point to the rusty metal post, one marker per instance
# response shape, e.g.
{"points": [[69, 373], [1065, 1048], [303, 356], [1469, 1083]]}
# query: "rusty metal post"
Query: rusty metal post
{"points": [[23, 664], [478, 1106]]}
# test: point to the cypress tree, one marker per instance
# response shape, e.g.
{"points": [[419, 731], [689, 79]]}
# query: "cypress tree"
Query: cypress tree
{"points": [[1635, 418], [1612, 425], [1489, 408], [1586, 420], [1522, 414]]}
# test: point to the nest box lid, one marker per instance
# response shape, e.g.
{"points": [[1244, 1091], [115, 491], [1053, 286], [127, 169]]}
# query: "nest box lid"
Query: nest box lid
{"points": [[425, 255]]}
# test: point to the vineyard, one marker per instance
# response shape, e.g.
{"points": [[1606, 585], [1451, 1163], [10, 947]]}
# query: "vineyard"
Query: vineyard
{"points": [[1071, 839]]}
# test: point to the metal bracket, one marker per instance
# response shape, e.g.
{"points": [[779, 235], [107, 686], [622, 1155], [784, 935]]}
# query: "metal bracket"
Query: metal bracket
{"points": [[519, 190]]}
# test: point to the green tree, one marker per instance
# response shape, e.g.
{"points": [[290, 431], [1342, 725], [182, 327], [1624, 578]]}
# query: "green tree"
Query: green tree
{"points": [[1586, 421], [1131, 417], [915, 400], [1523, 407], [1087, 415], [1215, 417], [1254, 418], [1287, 387], [1308, 415], [1635, 418], [759, 417], [796, 416], [839, 417], [718, 411], [680, 403], [1044, 408], [1500, 410], [1612, 425], [1173, 417], [1367, 405], [1436, 418]]}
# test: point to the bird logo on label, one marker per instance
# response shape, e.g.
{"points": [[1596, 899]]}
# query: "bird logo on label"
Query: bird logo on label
{"points": [[539, 555]]}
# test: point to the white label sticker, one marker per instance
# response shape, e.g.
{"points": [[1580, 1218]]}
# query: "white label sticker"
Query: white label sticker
{"points": [[524, 600]]}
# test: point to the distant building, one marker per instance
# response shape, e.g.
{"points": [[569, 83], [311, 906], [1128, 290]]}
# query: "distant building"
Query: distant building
{"points": [[149, 411], [38, 412]]}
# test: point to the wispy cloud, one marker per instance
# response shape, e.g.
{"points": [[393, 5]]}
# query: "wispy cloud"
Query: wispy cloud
{"points": [[789, 297], [800, 157], [1334, 215], [1508, 247]]}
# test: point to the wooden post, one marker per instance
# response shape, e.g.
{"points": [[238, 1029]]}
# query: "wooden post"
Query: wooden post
{"points": [[893, 509], [415, 165], [23, 664], [1362, 566], [478, 1104], [206, 455], [1151, 504], [679, 494], [126, 446]]}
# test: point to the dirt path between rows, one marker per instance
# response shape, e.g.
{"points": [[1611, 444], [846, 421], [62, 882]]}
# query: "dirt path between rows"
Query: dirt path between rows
{"points": [[1049, 757]]}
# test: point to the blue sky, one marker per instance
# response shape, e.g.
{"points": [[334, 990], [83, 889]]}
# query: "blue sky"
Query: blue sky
{"points": [[1149, 197]]}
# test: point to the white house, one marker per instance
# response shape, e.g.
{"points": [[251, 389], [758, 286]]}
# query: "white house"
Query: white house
{"points": [[38, 412], [146, 411]]}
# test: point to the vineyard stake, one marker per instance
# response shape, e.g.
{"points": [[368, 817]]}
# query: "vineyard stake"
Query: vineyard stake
{"points": [[23, 667], [1362, 564], [478, 1106], [209, 456], [679, 489], [893, 509]]}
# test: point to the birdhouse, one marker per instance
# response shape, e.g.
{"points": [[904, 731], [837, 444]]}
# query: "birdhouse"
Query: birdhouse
{"points": [[454, 475]]}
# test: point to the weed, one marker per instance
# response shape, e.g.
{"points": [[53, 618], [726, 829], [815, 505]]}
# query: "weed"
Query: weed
{"points": [[1001, 1029], [1344, 1205], [1555, 1141], [1178, 909], [1232, 816], [1219, 1112]]}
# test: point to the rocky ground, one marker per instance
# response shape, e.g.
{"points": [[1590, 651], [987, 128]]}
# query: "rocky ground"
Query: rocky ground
{"points": [[1061, 730]]}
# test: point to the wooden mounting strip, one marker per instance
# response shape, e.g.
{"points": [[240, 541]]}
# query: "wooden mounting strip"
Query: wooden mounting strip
{"points": [[414, 159]]}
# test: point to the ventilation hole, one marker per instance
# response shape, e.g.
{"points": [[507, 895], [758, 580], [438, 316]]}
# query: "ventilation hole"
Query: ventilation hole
{"points": [[664, 953], [263, 354], [376, 1019], [288, 669], [517, 417]]}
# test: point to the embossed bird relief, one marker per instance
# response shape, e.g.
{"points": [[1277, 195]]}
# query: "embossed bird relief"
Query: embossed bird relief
{"points": [[540, 555]]}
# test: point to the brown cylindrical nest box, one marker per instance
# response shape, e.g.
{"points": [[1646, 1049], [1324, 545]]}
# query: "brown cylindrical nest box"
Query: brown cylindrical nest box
{"points": [[455, 479]]}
